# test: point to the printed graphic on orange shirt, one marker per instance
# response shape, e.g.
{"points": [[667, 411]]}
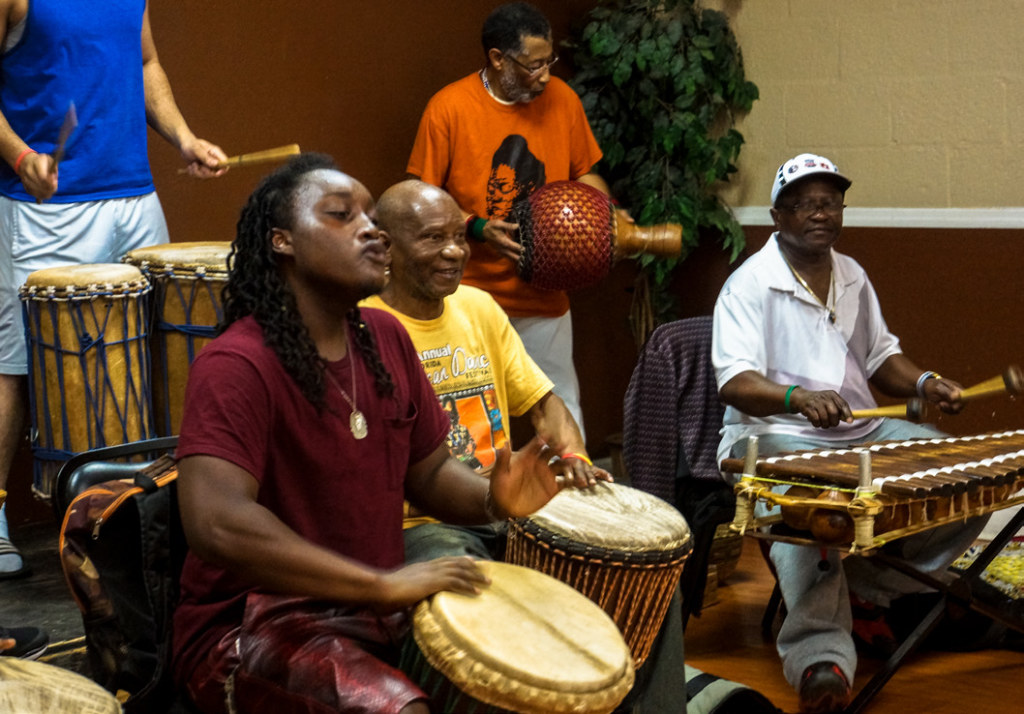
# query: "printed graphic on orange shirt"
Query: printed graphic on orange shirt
{"points": [[477, 430], [515, 174]]}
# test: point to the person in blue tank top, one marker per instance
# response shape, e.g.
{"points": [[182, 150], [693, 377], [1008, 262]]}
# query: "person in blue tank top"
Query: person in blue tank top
{"points": [[99, 201]]}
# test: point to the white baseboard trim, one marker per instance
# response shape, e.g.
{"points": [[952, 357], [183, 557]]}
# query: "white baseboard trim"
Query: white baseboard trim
{"points": [[1004, 218]]}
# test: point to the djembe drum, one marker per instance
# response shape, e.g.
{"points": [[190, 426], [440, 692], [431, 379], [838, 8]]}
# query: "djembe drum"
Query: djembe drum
{"points": [[571, 236], [88, 362], [187, 280], [621, 547], [29, 687], [526, 643]]}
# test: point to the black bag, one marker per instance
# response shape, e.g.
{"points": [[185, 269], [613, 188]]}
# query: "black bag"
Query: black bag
{"points": [[122, 549], [708, 694]]}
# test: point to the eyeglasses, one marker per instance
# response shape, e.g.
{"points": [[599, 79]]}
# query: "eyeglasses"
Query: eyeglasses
{"points": [[806, 209], [536, 69]]}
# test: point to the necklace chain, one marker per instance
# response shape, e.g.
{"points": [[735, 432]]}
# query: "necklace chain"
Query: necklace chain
{"points": [[356, 421], [832, 292]]}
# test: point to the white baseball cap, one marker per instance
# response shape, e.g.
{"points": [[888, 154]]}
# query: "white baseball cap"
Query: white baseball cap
{"points": [[802, 166]]}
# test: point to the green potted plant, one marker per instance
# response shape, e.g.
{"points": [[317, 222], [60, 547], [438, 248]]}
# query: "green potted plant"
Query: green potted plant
{"points": [[662, 82]]}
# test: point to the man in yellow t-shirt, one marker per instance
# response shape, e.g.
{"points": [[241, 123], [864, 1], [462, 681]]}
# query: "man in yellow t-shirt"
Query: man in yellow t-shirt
{"points": [[489, 140], [475, 361]]}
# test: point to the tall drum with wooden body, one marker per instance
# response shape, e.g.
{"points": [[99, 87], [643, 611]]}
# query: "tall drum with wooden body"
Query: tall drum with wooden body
{"points": [[526, 643], [88, 361], [621, 547], [187, 281]]}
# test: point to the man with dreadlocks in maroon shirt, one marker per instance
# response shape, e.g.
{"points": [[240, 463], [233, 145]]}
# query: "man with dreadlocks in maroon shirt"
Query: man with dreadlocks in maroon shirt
{"points": [[306, 422]]}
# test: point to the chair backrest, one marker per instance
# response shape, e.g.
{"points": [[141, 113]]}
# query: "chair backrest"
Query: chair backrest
{"points": [[671, 421], [672, 414], [98, 465]]}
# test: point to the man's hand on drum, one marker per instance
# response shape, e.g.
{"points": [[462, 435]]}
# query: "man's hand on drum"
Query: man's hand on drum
{"points": [[409, 584], [573, 470], [499, 235], [823, 409], [944, 393], [523, 481]]}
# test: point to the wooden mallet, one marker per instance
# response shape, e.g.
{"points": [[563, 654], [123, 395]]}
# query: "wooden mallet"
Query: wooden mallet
{"points": [[1010, 381], [913, 410], [257, 157]]}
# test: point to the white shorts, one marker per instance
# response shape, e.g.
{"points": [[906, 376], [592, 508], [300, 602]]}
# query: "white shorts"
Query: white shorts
{"points": [[35, 236], [548, 340]]}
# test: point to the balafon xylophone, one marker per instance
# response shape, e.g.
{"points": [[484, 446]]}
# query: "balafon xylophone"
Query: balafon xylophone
{"points": [[869, 495]]}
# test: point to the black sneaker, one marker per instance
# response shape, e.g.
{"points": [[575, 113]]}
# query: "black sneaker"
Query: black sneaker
{"points": [[823, 689], [29, 642]]}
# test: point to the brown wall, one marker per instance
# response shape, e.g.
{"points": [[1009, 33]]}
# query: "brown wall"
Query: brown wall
{"points": [[953, 297], [351, 79]]}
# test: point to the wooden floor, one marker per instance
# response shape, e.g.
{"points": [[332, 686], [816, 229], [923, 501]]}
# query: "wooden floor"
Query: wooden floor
{"points": [[726, 640]]}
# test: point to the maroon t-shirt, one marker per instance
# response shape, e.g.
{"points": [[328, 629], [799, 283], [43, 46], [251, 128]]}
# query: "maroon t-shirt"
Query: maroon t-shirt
{"points": [[336, 491]]}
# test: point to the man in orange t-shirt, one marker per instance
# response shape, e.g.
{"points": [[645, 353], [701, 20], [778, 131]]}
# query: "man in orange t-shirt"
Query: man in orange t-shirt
{"points": [[490, 139]]}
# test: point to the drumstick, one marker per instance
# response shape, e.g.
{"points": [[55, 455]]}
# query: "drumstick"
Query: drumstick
{"points": [[1010, 381], [256, 157], [913, 410]]}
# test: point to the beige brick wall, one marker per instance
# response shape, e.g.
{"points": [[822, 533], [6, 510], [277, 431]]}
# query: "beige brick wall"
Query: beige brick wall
{"points": [[920, 102]]}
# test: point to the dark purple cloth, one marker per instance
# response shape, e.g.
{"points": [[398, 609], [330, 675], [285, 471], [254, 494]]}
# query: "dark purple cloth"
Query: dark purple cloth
{"points": [[672, 410], [295, 655]]}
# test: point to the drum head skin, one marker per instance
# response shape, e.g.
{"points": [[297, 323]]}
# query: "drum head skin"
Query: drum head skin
{"points": [[204, 256], [614, 517], [527, 643], [84, 280]]}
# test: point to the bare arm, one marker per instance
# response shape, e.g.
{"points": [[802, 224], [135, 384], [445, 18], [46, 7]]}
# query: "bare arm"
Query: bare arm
{"points": [[897, 377], [754, 394], [226, 526], [163, 115], [595, 180], [35, 170], [555, 425]]}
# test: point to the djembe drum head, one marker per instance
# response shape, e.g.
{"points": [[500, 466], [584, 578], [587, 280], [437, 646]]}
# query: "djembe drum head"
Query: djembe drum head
{"points": [[621, 547], [526, 643]]}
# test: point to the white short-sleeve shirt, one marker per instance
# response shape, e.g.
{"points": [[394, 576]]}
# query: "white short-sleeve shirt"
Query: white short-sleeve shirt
{"points": [[767, 322]]}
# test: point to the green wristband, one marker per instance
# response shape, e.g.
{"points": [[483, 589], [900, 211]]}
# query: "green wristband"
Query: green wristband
{"points": [[789, 393], [477, 231]]}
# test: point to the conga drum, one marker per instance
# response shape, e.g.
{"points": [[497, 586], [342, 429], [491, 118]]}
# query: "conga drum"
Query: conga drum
{"points": [[571, 235], [526, 643], [187, 280], [621, 547], [88, 362]]}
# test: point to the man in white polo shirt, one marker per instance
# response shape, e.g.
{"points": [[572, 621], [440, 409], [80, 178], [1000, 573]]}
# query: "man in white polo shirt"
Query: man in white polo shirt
{"points": [[799, 339]]}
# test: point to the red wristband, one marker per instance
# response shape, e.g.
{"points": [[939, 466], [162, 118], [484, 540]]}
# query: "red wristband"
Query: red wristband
{"points": [[581, 457], [21, 157]]}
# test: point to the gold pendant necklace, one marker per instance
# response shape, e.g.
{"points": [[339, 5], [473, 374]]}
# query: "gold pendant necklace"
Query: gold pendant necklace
{"points": [[832, 292], [356, 421]]}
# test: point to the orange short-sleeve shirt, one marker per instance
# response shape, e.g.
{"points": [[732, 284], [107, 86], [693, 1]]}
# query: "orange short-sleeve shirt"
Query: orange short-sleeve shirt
{"points": [[487, 154]]}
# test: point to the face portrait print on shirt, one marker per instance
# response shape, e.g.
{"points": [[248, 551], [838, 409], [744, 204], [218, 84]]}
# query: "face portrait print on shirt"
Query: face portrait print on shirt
{"points": [[515, 174]]}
